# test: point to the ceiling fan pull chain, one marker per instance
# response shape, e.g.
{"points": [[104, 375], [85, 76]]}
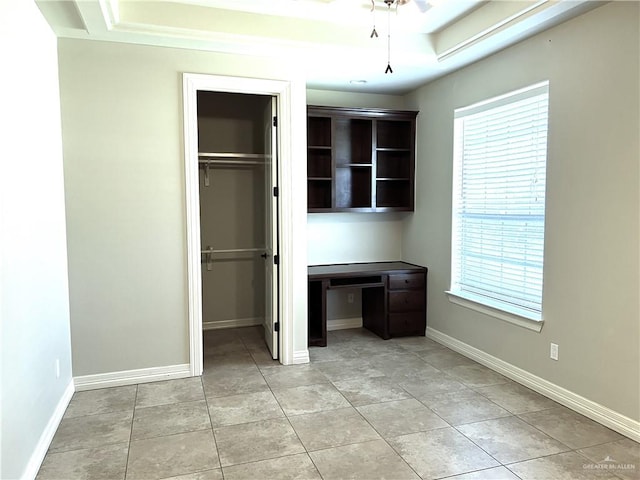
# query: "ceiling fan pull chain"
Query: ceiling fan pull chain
{"points": [[374, 33], [388, 69]]}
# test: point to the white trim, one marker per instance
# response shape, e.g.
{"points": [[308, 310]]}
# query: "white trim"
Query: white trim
{"points": [[541, 88], [486, 32], [344, 323], [95, 17], [40, 450], [284, 91], [301, 356], [535, 325], [601, 414], [192, 204], [131, 377], [233, 323]]}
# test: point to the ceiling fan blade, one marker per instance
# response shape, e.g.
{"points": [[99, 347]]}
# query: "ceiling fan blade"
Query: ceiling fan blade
{"points": [[423, 5]]}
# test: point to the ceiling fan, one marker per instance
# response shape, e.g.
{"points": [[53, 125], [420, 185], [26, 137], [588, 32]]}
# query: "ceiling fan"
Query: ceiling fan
{"points": [[423, 5]]}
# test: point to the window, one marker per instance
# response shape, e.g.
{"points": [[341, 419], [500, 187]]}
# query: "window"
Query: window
{"points": [[499, 178]]}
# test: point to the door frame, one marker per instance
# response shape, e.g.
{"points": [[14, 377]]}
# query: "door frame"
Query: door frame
{"points": [[282, 90]]}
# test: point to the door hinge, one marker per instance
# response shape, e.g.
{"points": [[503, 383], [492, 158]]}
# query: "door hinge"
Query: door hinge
{"points": [[276, 260], [275, 191], [276, 326], [275, 121]]}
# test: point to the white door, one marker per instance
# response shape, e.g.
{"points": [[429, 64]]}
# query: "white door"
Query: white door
{"points": [[270, 255]]}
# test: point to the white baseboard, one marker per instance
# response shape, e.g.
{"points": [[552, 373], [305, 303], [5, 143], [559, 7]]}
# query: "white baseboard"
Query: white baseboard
{"points": [[130, 377], [39, 452], [301, 356], [233, 323], [344, 323], [601, 414]]}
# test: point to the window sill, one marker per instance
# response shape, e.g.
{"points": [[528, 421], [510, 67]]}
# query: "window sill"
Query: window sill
{"points": [[530, 324]]}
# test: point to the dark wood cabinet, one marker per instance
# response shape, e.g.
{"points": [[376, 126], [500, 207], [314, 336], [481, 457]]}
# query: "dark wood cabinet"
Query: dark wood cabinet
{"points": [[360, 160], [394, 297], [407, 303]]}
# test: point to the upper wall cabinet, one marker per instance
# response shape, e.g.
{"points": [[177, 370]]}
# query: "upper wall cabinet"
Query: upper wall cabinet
{"points": [[360, 160]]}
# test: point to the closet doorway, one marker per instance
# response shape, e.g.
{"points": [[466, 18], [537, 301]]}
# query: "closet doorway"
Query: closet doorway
{"points": [[238, 212], [237, 224]]}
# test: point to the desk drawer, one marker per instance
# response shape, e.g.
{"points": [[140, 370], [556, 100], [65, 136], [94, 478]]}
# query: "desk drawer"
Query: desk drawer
{"points": [[406, 301], [406, 281], [411, 323]]}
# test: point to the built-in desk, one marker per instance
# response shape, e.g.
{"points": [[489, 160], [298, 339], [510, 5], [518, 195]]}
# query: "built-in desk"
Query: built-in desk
{"points": [[394, 300]]}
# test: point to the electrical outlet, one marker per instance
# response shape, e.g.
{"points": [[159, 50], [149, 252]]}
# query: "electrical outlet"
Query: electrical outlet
{"points": [[554, 351], [57, 368], [350, 298]]}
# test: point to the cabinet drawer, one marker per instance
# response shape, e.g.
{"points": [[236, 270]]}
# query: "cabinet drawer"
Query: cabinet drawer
{"points": [[406, 301], [406, 281], [412, 323]]}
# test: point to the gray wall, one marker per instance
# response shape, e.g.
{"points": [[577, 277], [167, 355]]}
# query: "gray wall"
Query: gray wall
{"points": [[34, 308], [591, 280], [122, 118]]}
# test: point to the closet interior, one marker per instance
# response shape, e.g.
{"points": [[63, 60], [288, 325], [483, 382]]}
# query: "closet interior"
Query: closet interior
{"points": [[234, 169]]}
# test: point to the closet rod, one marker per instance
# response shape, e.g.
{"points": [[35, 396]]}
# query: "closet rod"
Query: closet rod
{"points": [[230, 162], [232, 250], [225, 155], [210, 252]]}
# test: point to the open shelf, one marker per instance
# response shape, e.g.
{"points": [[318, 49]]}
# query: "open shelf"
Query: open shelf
{"points": [[353, 187], [319, 132], [395, 134], [393, 165], [393, 193], [353, 141], [360, 160], [319, 193]]}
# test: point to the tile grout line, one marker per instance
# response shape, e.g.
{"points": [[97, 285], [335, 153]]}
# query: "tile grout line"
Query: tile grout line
{"points": [[215, 440], [133, 415], [470, 388], [306, 451], [257, 421], [571, 449], [373, 428], [256, 357], [444, 420], [213, 434]]}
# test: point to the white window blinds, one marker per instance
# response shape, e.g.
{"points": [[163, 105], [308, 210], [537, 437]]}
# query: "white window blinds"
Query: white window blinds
{"points": [[500, 156]]}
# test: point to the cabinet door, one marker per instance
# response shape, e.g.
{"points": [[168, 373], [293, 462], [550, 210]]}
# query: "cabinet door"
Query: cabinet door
{"points": [[405, 281], [406, 301], [411, 323]]}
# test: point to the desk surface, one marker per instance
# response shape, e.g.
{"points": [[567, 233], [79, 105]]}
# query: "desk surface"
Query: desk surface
{"points": [[348, 269]]}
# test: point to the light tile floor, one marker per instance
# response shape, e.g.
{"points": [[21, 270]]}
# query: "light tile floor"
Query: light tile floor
{"points": [[364, 408]]}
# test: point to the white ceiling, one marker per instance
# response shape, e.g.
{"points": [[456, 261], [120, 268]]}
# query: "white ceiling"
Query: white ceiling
{"points": [[328, 39]]}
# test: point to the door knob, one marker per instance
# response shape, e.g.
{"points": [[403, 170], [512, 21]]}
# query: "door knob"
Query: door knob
{"points": [[264, 255]]}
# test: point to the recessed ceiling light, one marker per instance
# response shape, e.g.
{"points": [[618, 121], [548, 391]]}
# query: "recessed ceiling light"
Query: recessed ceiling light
{"points": [[357, 82]]}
